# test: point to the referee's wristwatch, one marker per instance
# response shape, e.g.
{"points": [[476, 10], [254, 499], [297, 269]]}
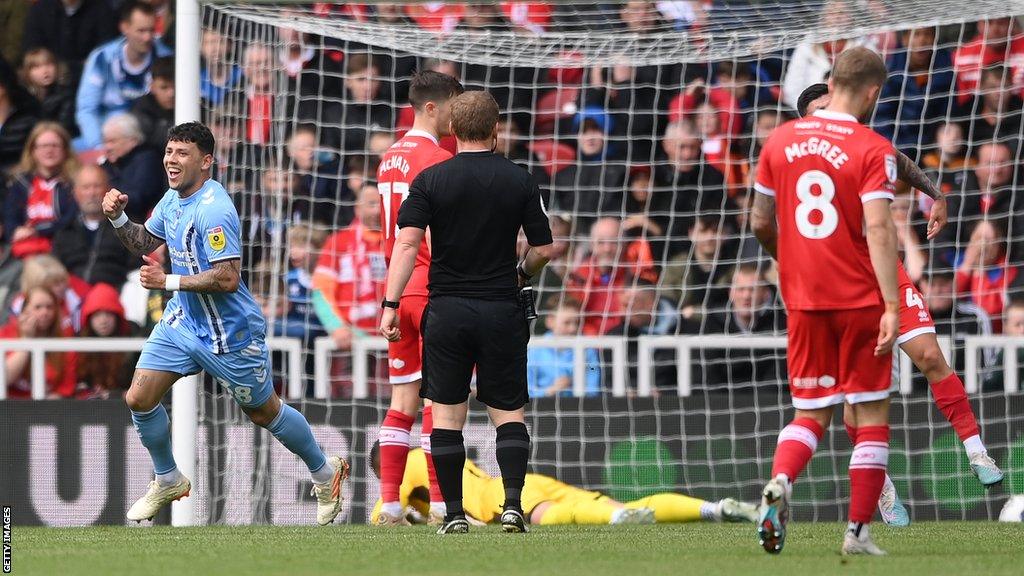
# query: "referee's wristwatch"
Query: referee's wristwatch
{"points": [[389, 304], [522, 273]]}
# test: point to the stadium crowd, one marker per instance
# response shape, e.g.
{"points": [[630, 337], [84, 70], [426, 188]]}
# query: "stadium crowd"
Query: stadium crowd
{"points": [[646, 172]]}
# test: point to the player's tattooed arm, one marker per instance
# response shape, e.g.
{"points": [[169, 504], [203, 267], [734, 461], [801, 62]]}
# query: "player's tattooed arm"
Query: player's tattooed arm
{"points": [[224, 276], [908, 171], [137, 239], [762, 222], [912, 174]]}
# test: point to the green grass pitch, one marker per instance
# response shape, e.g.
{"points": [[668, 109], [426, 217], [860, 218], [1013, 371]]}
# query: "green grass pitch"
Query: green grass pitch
{"points": [[925, 548]]}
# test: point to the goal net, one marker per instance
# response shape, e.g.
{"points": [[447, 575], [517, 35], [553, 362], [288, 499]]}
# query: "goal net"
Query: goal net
{"points": [[643, 123]]}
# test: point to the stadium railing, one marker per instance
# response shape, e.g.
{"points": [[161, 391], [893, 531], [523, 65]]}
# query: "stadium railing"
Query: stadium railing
{"points": [[1009, 345], [646, 345], [363, 347], [291, 347], [685, 345]]}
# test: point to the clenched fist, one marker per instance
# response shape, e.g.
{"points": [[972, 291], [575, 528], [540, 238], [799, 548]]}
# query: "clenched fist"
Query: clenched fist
{"points": [[152, 274], [114, 203]]}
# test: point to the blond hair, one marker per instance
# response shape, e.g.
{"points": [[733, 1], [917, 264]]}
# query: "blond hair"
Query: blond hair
{"points": [[43, 271], [312, 235], [36, 57], [28, 163]]}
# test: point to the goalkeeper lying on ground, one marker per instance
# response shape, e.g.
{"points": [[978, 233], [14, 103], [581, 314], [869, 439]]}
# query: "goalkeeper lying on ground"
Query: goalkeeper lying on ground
{"points": [[547, 501]]}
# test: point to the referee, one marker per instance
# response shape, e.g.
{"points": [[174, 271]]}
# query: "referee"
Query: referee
{"points": [[474, 205]]}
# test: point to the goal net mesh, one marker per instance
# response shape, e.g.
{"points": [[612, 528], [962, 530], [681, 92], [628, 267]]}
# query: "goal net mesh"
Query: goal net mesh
{"points": [[643, 123]]}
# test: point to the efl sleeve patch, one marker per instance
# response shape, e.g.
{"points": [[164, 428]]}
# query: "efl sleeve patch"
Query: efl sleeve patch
{"points": [[216, 238]]}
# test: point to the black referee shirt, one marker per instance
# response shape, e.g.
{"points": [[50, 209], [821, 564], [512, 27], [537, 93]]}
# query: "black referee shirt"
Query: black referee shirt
{"points": [[474, 205]]}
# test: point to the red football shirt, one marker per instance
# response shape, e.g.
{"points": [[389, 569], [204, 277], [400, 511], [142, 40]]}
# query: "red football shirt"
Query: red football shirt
{"points": [[969, 59], [400, 165], [351, 273], [821, 169]]}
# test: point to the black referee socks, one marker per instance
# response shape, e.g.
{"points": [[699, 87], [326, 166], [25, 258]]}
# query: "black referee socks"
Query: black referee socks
{"points": [[449, 454], [513, 454]]}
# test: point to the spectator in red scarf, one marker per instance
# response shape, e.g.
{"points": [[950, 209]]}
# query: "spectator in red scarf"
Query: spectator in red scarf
{"points": [[104, 374], [39, 201], [40, 317]]}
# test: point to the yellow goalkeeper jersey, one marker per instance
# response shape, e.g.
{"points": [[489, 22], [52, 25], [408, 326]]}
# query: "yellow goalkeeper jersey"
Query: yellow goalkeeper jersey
{"points": [[482, 494]]}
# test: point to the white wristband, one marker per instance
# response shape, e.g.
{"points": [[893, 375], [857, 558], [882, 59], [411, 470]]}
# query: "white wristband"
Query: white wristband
{"points": [[120, 221], [173, 283]]}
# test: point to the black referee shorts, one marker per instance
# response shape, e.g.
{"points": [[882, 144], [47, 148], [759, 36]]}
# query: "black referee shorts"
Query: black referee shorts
{"points": [[460, 333]]}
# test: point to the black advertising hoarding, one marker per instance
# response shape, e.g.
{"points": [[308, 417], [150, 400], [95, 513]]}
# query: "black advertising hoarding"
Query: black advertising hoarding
{"points": [[69, 463]]}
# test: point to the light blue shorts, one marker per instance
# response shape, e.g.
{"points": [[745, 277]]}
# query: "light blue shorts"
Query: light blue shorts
{"points": [[245, 373]]}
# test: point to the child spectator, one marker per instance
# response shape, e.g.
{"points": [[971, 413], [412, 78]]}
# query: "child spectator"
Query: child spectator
{"points": [[301, 321], [104, 374], [40, 317], [550, 370], [46, 79], [39, 201], [117, 73], [45, 271], [984, 272], [155, 110]]}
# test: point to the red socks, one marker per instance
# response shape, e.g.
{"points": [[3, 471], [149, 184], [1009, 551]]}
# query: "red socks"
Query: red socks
{"points": [[951, 398], [394, 450], [867, 471], [797, 443], [428, 427]]}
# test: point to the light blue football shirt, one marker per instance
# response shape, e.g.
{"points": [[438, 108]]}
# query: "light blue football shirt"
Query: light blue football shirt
{"points": [[199, 231]]}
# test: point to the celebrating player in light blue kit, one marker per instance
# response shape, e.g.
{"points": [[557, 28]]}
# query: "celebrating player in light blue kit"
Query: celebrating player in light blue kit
{"points": [[212, 323]]}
